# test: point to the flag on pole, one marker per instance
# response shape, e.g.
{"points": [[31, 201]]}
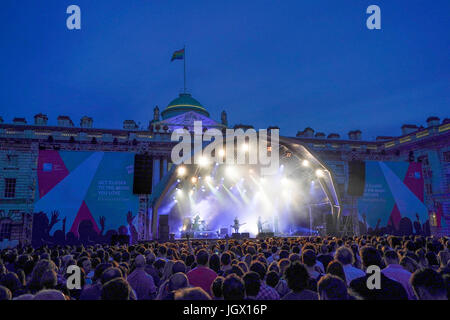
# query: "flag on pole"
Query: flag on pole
{"points": [[178, 55]]}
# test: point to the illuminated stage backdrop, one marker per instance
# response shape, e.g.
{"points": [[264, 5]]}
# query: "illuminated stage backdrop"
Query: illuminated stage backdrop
{"points": [[393, 190], [86, 186]]}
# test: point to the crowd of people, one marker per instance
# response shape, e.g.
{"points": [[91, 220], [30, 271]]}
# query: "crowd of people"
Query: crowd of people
{"points": [[301, 268]]}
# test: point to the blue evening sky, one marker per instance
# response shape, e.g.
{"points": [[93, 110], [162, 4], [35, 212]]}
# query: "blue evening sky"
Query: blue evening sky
{"points": [[288, 63]]}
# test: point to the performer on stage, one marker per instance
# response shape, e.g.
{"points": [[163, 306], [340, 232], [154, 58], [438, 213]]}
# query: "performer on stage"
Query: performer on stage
{"points": [[196, 223], [236, 225], [260, 224]]}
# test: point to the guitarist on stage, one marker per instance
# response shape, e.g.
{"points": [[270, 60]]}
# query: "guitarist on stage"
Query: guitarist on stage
{"points": [[196, 223], [260, 225], [236, 225]]}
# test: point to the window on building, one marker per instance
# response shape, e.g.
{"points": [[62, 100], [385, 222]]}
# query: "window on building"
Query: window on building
{"points": [[428, 189], [12, 160], [447, 156], [5, 229], [10, 187]]}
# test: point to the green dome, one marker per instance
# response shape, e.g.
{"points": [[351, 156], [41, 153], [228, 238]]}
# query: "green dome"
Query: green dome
{"points": [[182, 104]]}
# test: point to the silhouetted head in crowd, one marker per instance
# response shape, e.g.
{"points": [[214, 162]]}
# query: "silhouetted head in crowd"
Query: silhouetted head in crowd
{"points": [[5, 293], [428, 285], [252, 284], [150, 258], [196, 293], [214, 262], [140, 262], [335, 268], [11, 281], [216, 288], [202, 257], [178, 281], [116, 289], [331, 287], [40, 268], [344, 255], [309, 258], [259, 268], [272, 278], [179, 266], [233, 288], [297, 277], [391, 257], [49, 294], [49, 280], [409, 264], [99, 270], [370, 256], [110, 274]]}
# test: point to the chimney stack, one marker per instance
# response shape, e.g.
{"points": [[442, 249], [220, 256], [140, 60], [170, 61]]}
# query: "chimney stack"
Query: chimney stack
{"points": [[433, 121], [408, 128], [86, 122], [40, 119], [308, 132], [130, 125], [20, 121], [65, 121]]}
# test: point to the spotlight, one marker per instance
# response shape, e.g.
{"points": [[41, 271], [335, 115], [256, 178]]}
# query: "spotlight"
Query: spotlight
{"points": [[231, 171], [245, 147], [179, 192], [305, 163], [221, 153], [319, 173], [194, 179], [181, 171], [208, 178], [203, 162]]}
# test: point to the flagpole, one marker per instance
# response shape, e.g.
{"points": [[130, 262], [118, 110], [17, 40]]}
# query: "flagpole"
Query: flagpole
{"points": [[184, 60]]}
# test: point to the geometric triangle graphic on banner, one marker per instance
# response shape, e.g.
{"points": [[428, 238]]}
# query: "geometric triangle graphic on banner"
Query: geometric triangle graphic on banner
{"points": [[406, 201], [68, 195], [83, 214]]}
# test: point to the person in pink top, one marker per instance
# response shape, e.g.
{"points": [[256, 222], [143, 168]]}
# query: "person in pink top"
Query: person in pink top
{"points": [[396, 272], [202, 276]]}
